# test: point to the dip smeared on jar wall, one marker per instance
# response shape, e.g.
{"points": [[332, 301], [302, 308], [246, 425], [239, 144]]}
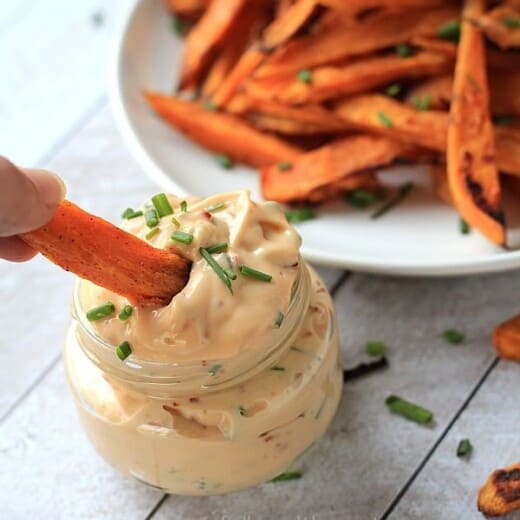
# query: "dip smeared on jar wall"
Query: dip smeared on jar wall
{"points": [[229, 383]]}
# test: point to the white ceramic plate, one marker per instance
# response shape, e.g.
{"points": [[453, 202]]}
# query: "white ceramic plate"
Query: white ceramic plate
{"points": [[419, 237]]}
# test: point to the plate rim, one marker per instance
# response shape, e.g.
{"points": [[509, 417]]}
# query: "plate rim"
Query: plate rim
{"points": [[509, 260]]}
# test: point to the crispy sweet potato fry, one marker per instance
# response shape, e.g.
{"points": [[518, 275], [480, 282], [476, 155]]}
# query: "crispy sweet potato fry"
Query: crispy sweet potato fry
{"points": [[215, 24], [501, 492], [496, 27], [470, 154], [223, 133], [506, 339], [332, 82], [96, 250], [438, 90], [190, 10], [340, 42], [284, 126], [366, 180], [439, 45], [328, 165], [359, 6]]}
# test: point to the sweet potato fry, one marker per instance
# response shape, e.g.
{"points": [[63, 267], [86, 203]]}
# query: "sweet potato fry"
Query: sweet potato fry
{"points": [[501, 26], [470, 154], [506, 339], [432, 44], [437, 90], [501, 492], [332, 82], [341, 41], [189, 9], [328, 165], [356, 7], [96, 250], [506, 61], [366, 180], [283, 126], [223, 133], [215, 24]]}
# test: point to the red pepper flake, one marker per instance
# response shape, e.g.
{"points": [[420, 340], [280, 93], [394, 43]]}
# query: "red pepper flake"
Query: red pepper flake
{"points": [[206, 214], [269, 438], [203, 362]]}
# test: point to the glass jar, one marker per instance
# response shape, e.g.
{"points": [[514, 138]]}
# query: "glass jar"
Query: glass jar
{"points": [[208, 428]]}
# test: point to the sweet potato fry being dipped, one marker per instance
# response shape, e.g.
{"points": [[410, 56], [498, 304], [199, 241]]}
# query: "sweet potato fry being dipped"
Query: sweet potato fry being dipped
{"points": [[96, 250], [501, 492]]}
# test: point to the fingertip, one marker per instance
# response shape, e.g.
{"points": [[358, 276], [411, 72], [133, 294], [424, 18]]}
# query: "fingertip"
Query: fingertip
{"points": [[51, 188], [14, 249]]}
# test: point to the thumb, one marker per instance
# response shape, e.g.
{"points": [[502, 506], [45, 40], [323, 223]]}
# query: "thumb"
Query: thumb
{"points": [[28, 198]]}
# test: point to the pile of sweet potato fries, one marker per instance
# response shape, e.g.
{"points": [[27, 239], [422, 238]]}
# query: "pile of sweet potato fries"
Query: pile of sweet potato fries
{"points": [[318, 94]]}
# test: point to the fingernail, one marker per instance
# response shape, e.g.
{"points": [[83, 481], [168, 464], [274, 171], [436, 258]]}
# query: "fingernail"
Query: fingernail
{"points": [[51, 189]]}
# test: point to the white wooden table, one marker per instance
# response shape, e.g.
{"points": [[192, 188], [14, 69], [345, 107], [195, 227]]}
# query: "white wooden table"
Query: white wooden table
{"points": [[371, 464]]}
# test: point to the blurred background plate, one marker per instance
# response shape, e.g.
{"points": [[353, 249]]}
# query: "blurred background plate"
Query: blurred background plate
{"points": [[419, 237]]}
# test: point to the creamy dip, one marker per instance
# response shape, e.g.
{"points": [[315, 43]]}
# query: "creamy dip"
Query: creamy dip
{"points": [[248, 431]]}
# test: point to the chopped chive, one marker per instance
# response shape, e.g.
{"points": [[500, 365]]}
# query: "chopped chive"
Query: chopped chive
{"points": [[474, 82], [409, 410], [97, 18], [510, 22], [450, 31], [209, 105], [401, 194], [101, 311], [129, 213], [464, 448], [242, 411], [288, 475], [184, 206], [279, 319], [453, 336], [277, 369], [422, 102], [253, 273], [504, 120], [230, 274], [464, 227], [151, 217], [162, 205], [213, 371], [151, 233], [284, 166], [175, 222], [294, 216], [178, 26], [393, 90], [375, 348], [361, 198], [124, 350], [216, 267], [216, 207], [125, 312], [224, 161], [217, 248], [183, 238], [304, 76], [403, 50], [385, 120]]}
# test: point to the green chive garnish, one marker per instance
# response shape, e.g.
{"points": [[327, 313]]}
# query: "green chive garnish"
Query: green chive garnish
{"points": [[385, 120], [101, 311], [175, 222], [294, 216], [216, 267], [474, 82], [401, 194], [393, 90], [253, 273], [453, 336], [422, 102], [129, 213], [209, 105], [98, 18], [361, 199], [124, 350], [403, 50], [125, 312], [242, 411], [214, 370], [178, 26], [464, 227], [151, 217], [511, 23], [277, 369], [216, 207], [284, 166], [450, 31], [304, 76], [504, 120], [217, 248], [151, 233], [162, 205], [230, 274], [224, 161], [375, 348], [464, 448], [409, 410], [183, 238], [279, 319], [184, 206], [288, 475]]}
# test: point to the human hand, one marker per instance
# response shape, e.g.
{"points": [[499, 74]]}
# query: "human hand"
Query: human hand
{"points": [[28, 199]]}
